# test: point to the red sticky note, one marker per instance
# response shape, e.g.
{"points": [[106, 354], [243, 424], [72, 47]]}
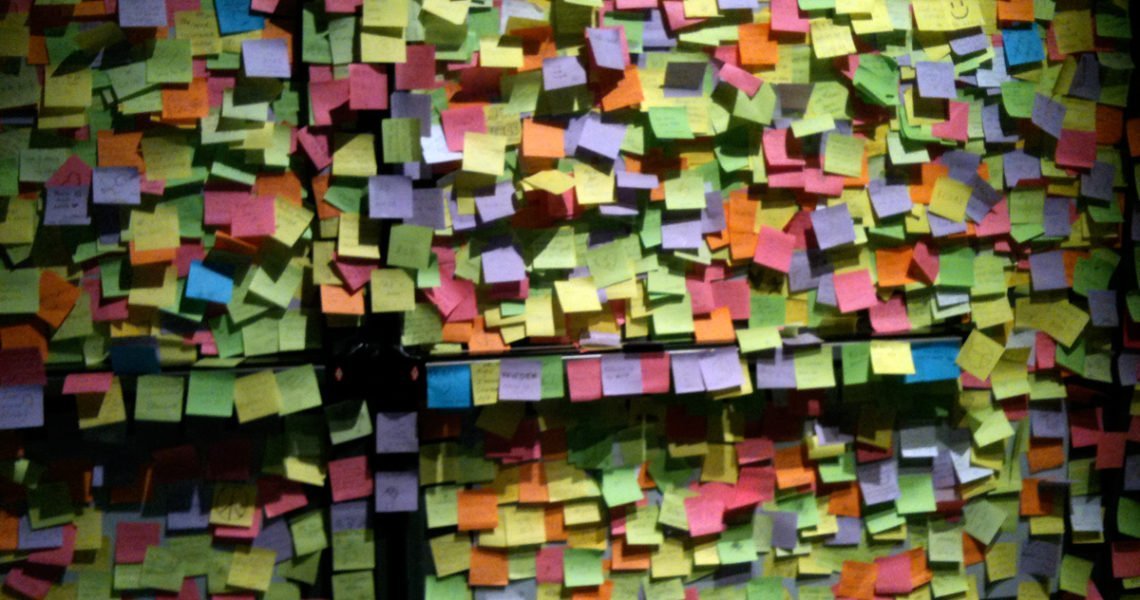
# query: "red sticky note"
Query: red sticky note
{"points": [[279, 496], [22, 366], [88, 383], [585, 378], [418, 72], [240, 533], [1126, 559], [1110, 450], [457, 122], [350, 478], [655, 373], [854, 291], [132, 540], [367, 87], [774, 249], [1076, 149], [548, 565], [733, 293]]}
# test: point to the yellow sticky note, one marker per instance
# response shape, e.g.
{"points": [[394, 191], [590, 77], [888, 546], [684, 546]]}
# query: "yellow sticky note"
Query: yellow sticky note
{"points": [[979, 355], [843, 155], [385, 13], [949, 199], [356, 156], [485, 384], [500, 53], [484, 153], [256, 396], [592, 185], [946, 15], [1073, 30], [392, 290], [157, 230], [65, 88], [1001, 561], [578, 295], [891, 358], [251, 568], [233, 505], [830, 39], [555, 182]]}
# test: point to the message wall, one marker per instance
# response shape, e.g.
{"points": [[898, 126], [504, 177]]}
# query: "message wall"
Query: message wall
{"points": [[568, 298]]}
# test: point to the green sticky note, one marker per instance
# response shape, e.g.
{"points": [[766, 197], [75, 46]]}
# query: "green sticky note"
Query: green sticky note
{"points": [[765, 588], [159, 399], [348, 421], [983, 520], [956, 267], [410, 246], [308, 531], [401, 140], [49, 505], [619, 486], [447, 588], [609, 264], [171, 62], [877, 79], [945, 542], [883, 520], [357, 584], [1018, 98], [162, 570], [19, 292], [841, 468], [299, 389], [1128, 517], [856, 362], [193, 552], [670, 122], [768, 310], [916, 494], [685, 192], [582, 568], [1075, 574], [353, 550], [553, 381], [814, 368], [93, 585], [736, 545]]}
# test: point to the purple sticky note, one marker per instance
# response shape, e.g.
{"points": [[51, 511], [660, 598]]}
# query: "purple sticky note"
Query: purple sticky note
{"points": [[1102, 308], [397, 491], [1047, 271], [1047, 423], [849, 534], [1039, 557], [936, 80], [806, 269], [1127, 365], [624, 204], [621, 375], [1132, 473], [390, 197], [427, 208], [833, 226], [1086, 81], [187, 506], [974, 41], [265, 58], [66, 205], [878, 481], [774, 372], [142, 13], [38, 539], [1057, 223], [993, 128], [520, 379], [720, 368], [503, 264], [784, 529], [681, 234], [1097, 183], [396, 432], [712, 215], [460, 222], [686, 369], [115, 185], [1019, 166], [983, 197], [942, 471], [1048, 114], [602, 139], [889, 200], [606, 46], [275, 536], [349, 515], [941, 227], [636, 181], [406, 105], [562, 72], [21, 406], [495, 202]]}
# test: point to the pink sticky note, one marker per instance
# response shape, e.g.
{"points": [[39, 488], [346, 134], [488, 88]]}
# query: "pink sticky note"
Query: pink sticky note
{"points": [[701, 294], [1110, 450], [253, 216], [774, 249], [740, 79], [350, 478], [924, 263], [327, 96], [733, 293], [316, 145], [279, 496], [1076, 149], [705, 514], [655, 373], [218, 207], [776, 149], [418, 71], [132, 540], [957, 126], [995, 223], [72, 172], [890, 316], [458, 121], [585, 378], [894, 575], [367, 87], [786, 17], [354, 273], [240, 533], [854, 291], [548, 565], [88, 383], [675, 15]]}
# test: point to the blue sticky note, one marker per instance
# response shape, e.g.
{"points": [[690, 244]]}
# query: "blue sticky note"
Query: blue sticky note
{"points": [[934, 362], [1022, 46], [21, 406], [449, 386], [135, 356], [234, 17], [209, 283]]}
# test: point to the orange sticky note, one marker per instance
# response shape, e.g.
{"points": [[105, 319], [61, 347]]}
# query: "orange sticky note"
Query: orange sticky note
{"points": [[488, 567], [757, 48], [477, 510], [540, 140], [57, 297]]}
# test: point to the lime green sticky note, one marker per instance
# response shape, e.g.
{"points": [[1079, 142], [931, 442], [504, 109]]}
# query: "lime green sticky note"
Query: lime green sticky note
{"points": [[754, 339], [916, 494], [736, 545], [582, 567], [814, 368], [993, 427], [619, 486], [841, 468], [401, 140], [1018, 97], [348, 421], [956, 267], [983, 520], [1075, 574], [685, 192], [410, 246], [843, 155], [609, 264], [765, 588], [159, 399], [768, 310], [446, 588], [356, 584], [553, 380], [171, 62], [945, 542], [353, 550], [162, 570], [856, 363], [670, 122], [19, 292], [1128, 517], [299, 389], [308, 531]]}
